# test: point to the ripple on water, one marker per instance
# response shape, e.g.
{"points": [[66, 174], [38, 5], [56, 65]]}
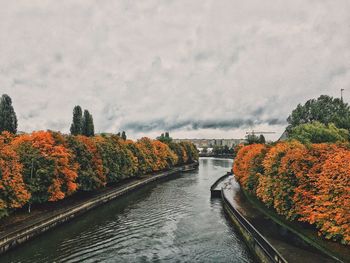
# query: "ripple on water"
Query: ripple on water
{"points": [[172, 221]]}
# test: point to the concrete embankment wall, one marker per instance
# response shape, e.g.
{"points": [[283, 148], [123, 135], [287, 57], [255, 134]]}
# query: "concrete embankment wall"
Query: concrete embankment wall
{"points": [[215, 189], [22, 234], [262, 249]]}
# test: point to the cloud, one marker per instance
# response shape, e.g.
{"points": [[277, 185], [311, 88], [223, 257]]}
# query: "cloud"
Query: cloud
{"points": [[161, 125], [198, 68]]}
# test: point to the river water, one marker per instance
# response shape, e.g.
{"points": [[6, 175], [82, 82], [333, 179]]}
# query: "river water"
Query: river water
{"points": [[173, 221]]}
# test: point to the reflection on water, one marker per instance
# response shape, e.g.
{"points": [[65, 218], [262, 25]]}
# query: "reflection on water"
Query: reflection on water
{"points": [[171, 221]]}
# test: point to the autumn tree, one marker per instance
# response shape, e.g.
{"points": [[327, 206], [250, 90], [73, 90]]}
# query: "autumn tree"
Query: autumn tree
{"points": [[331, 209], [77, 125], [127, 160], [90, 172], [191, 151], [306, 183], [13, 191], [110, 158], [180, 151], [149, 151], [166, 157], [49, 169], [248, 165], [8, 119], [49, 166]]}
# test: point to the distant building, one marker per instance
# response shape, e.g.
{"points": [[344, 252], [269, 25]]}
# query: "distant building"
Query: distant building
{"points": [[210, 143]]}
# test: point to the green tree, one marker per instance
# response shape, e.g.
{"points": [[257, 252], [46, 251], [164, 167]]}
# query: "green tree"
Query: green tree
{"points": [[317, 132], [8, 119], [77, 125], [252, 139], [124, 135], [88, 124], [165, 138], [262, 139], [324, 109]]}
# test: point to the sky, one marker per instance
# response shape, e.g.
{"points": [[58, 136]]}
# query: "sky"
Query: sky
{"points": [[196, 68]]}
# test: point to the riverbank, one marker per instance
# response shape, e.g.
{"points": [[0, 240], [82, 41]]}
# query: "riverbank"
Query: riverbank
{"points": [[268, 239], [305, 232], [15, 232], [171, 220]]}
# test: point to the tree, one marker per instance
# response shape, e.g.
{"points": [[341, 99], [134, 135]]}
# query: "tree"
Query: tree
{"points": [[262, 139], [165, 138], [124, 135], [49, 169], [324, 109], [317, 132], [165, 157], [77, 125], [90, 171], [248, 167], [88, 124], [252, 139], [8, 119], [13, 191], [308, 183]]}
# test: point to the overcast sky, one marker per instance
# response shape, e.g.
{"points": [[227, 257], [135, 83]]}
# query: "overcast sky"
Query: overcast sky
{"points": [[199, 68]]}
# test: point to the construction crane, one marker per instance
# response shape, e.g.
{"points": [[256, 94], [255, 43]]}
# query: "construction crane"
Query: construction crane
{"points": [[258, 132]]}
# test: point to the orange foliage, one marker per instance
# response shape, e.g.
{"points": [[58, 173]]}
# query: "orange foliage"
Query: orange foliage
{"points": [[65, 172], [329, 207], [166, 158], [13, 192], [96, 158], [247, 165], [44, 165], [311, 184]]}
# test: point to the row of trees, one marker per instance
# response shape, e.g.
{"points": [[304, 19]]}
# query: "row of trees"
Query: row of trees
{"points": [[306, 183], [306, 177], [252, 138], [49, 166], [82, 124]]}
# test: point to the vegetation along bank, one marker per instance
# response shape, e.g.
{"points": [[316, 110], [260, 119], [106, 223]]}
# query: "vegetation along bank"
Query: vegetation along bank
{"points": [[46, 166], [305, 177]]}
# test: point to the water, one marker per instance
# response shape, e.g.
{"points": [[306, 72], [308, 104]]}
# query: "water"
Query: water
{"points": [[172, 221]]}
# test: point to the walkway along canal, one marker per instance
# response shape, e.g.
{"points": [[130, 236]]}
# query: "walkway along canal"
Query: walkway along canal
{"points": [[271, 242], [174, 221]]}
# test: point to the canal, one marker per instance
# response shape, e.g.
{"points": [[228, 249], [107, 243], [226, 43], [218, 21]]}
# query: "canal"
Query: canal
{"points": [[174, 221]]}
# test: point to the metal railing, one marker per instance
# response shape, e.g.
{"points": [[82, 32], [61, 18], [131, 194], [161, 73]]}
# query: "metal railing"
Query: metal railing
{"points": [[214, 185], [258, 239]]}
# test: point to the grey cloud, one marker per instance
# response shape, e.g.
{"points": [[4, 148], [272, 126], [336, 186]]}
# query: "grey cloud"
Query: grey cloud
{"points": [[161, 125], [195, 67]]}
